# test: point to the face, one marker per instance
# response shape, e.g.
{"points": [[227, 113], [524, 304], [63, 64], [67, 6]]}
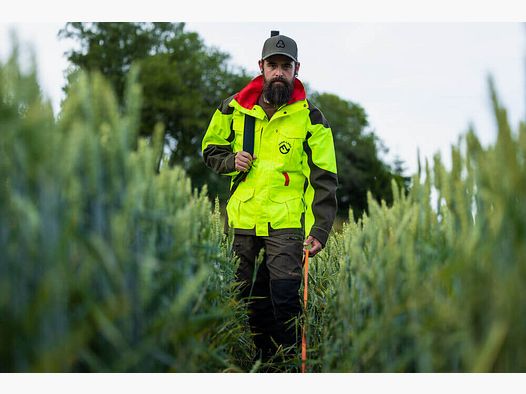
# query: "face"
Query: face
{"points": [[278, 73], [279, 67]]}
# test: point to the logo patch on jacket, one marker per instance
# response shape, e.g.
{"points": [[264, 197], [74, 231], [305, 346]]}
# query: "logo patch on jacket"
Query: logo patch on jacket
{"points": [[284, 147]]}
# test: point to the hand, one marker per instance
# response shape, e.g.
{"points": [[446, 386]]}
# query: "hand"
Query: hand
{"points": [[316, 245], [244, 161]]}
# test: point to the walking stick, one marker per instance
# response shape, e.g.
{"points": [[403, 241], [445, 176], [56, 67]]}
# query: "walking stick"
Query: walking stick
{"points": [[304, 328]]}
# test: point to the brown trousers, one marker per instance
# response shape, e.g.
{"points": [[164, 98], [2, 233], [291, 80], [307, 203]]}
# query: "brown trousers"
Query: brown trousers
{"points": [[271, 288]]}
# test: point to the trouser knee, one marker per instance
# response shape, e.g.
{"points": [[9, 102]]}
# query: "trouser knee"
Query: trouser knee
{"points": [[287, 307], [285, 296]]}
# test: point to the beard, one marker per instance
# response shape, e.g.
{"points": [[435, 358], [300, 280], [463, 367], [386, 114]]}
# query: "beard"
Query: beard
{"points": [[277, 93]]}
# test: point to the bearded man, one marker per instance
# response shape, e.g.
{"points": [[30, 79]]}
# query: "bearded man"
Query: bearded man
{"points": [[278, 149]]}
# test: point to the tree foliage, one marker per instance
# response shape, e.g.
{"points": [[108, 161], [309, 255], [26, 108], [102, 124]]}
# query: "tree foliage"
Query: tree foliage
{"points": [[183, 82], [360, 168]]}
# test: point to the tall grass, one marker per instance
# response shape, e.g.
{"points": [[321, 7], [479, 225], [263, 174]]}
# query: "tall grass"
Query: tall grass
{"points": [[436, 288], [104, 264]]}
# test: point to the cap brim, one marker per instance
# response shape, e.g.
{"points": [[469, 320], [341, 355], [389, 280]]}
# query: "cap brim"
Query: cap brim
{"points": [[280, 53]]}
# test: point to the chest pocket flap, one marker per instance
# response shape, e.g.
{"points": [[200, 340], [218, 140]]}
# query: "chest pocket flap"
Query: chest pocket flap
{"points": [[292, 132]]}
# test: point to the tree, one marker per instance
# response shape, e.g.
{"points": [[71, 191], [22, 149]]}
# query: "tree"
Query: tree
{"points": [[357, 156], [111, 48], [183, 82]]}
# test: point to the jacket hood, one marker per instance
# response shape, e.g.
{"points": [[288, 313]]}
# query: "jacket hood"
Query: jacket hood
{"points": [[249, 95]]}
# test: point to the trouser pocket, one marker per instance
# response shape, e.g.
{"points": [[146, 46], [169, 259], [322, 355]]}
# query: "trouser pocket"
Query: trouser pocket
{"points": [[284, 256]]}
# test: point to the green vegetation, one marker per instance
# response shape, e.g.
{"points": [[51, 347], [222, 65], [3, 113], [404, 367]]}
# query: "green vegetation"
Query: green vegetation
{"points": [[425, 288], [110, 262], [104, 264], [360, 169]]}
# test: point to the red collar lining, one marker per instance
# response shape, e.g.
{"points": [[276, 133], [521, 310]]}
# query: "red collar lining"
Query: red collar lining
{"points": [[249, 95]]}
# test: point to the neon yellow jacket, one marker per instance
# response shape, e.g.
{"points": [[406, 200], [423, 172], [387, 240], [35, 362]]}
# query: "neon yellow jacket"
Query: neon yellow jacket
{"points": [[292, 183]]}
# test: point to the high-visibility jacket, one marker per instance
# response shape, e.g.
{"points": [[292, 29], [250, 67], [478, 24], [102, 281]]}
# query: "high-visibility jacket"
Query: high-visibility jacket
{"points": [[292, 182]]}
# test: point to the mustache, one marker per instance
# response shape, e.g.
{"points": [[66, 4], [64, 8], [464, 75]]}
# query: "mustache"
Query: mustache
{"points": [[278, 79]]}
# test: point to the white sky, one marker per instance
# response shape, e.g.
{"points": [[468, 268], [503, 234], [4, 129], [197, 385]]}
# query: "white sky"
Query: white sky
{"points": [[421, 84]]}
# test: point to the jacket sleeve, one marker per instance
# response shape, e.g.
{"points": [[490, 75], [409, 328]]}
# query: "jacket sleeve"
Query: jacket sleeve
{"points": [[319, 167], [217, 142]]}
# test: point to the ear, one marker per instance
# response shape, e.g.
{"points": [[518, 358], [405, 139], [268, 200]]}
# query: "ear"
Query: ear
{"points": [[260, 64], [297, 69]]}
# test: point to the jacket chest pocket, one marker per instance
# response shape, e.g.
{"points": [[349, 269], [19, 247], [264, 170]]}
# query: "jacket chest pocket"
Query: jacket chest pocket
{"points": [[238, 126], [288, 147]]}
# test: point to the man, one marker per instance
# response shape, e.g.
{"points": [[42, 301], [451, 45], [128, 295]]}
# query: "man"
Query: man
{"points": [[278, 149]]}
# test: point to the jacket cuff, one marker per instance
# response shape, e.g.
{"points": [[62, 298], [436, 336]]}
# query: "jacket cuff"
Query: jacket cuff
{"points": [[230, 163], [320, 234]]}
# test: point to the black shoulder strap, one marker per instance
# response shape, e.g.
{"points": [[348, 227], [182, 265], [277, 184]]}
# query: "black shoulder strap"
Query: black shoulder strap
{"points": [[248, 134], [248, 146]]}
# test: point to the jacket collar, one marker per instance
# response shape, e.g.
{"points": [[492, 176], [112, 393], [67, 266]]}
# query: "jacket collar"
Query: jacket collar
{"points": [[249, 95]]}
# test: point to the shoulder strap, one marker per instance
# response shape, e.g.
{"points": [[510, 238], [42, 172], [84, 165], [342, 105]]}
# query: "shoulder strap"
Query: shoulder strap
{"points": [[248, 146], [248, 134]]}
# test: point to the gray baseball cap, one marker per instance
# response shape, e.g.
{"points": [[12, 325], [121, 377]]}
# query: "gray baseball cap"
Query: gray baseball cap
{"points": [[279, 44]]}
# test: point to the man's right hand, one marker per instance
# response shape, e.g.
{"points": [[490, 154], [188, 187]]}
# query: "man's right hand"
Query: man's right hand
{"points": [[244, 161]]}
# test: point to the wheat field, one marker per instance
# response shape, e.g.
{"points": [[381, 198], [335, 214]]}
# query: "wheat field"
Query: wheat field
{"points": [[108, 266]]}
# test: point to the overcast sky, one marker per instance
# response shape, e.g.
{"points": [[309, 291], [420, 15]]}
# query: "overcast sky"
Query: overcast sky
{"points": [[421, 84]]}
